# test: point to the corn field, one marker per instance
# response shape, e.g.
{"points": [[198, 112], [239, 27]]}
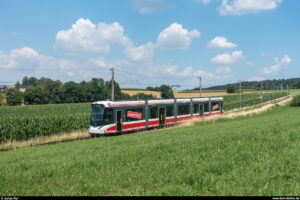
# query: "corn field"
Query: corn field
{"points": [[24, 122]]}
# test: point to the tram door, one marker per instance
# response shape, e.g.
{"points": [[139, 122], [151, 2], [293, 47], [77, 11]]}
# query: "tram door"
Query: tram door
{"points": [[162, 117], [201, 110], [221, 107], [119, 120]]}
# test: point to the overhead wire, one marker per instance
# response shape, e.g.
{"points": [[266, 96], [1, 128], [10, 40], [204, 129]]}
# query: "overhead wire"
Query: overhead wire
{"points": [[118, 71]]}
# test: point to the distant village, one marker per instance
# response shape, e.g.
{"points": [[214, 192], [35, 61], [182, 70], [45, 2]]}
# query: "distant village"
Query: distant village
{"points": [[3, 88]]}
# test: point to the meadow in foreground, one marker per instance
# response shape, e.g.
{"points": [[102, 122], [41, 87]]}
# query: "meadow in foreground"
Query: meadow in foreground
{"points": [[256, 155]]}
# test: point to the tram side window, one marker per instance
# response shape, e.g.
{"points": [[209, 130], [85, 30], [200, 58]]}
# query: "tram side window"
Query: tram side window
{"points": [[134, 114], [153, 113], [215, 107], [206, 107], [196, 108], [108, 116], [183, 109], [169, 111]]}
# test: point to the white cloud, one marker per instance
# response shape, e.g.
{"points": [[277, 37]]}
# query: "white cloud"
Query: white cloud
{"points": [[146, 6], [4, 60], [169, 69], [249, 63], [176, 37], [241, 7], [221, 43], [22, 57], [223, 69], [99, 62], [255, 79], [201, 73], [205, 1], [29, 62], [186, 72], [279, 65], [172, 70], [140, 53], [24, 52], [84, 36], [227, 59]]}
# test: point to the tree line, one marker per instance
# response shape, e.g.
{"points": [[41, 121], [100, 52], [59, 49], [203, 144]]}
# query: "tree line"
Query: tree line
{"points": [[255, 85], [48, 91]]}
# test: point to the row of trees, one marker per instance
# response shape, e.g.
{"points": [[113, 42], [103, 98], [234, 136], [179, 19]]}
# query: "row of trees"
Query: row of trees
{"points": [[48, 91], [255, 85], [166, 91]]}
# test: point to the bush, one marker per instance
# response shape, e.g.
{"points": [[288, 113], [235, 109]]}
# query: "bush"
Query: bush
{"points": [[296, 101], [33, 96], [231, 88], [2, 99], [13, 97], [166, 92]]}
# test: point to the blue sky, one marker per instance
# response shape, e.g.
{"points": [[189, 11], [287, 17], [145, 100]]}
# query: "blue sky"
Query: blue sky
{"points": [[150, 42]]}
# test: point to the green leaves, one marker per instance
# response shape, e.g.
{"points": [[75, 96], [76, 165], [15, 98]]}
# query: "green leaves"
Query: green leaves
{"points": [[22, 123], [296, 101]]}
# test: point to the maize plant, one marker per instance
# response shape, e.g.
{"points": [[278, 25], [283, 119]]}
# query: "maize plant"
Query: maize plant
{"points": [[24, 122]]}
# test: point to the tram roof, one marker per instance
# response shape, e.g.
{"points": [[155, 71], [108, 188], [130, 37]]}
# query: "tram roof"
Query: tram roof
{"points": [[155, 102]]}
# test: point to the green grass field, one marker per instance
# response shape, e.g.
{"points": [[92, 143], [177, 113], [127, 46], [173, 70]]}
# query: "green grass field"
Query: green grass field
{"points": [[249, 99], [258, 155], [294, 91]]}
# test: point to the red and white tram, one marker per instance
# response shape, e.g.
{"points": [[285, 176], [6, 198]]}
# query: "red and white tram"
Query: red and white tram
{"points": [[111, 117]]}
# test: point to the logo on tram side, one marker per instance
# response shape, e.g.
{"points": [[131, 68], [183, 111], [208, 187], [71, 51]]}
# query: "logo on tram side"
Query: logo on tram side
{"points": [[215, 107], [135, 115]]}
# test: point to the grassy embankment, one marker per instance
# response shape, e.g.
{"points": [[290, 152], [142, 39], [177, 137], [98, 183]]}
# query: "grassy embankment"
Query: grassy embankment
{"points": [[257, 155]]}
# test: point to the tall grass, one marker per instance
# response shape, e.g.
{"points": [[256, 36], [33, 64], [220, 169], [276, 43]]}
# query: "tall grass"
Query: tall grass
{"points": [[24, 122]]}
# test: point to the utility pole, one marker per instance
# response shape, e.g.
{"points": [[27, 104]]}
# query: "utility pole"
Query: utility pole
{"points": [[240, 95], [261, 93], [112, 84], [200, 86], [281, 90], [273, 94], [137, 94], [287, 88]]}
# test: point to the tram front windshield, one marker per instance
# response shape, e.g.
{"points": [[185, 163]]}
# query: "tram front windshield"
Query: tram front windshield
{"points": [[101, 116]]}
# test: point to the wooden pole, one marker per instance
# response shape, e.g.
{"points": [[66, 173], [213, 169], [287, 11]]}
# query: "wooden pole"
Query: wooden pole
{"points": [[200, 87], [112, 84], [261, 93], [240, 95]]}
